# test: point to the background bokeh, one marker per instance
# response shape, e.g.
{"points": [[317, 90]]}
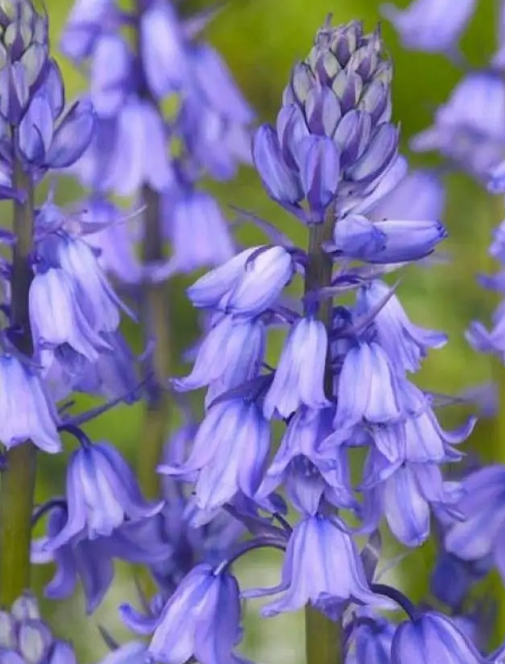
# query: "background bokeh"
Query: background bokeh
{"points": [[260, 40]]}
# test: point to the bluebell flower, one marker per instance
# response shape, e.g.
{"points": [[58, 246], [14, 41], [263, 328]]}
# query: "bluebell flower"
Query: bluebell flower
{"points": [[197, 230], [91, 561], [138, 155], [44, 145], [388, 241], [201, 619], [95, 296], [334, 142], [229, 452], [431, 25], [369, 389], [309, 474], [452, 578], [111, 74], [102, 493], [469, 129], [113, 374], [86, 560], [230, 354], [419, 437], [299, 377], [218, 88], [111, 238], [162, 51], [26, 412], [404, 494], [322, 566], [84, 26], [247, 284], [281, 183], [405, 343], [371, 641], [215, 118], [420, 195], [57, 318], [479, 533], [432, 637]]}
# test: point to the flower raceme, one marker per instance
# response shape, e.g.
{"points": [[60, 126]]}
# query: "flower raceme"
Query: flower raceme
{"points": [[343, 379]]}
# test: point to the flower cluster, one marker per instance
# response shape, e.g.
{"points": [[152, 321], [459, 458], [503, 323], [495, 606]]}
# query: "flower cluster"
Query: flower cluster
{"points": [[342, 384], [136, 148], [341, 391]]}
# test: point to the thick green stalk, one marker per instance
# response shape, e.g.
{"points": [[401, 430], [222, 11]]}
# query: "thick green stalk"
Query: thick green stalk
{"points": [[323, 638], [156, 326], [17, 483]]}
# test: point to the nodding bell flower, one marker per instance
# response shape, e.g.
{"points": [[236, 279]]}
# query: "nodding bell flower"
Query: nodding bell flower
{"points": [[229, 453], [230, 354], [246, 285], [322, 566], [299, 377], [102, 494], [201, 619], [431, 25], [26, 412], [469, 129], [432, 637]]}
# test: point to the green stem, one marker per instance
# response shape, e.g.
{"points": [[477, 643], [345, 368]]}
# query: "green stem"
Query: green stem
{"points": [[157, 325], [323, 637], [17, 486]]}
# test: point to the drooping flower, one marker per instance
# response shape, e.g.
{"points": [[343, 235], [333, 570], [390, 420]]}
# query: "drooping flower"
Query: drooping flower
{"points": [[26, 412], [322, 566], [230, 355], [479, 533], [432, 637], [469, 127], [229, 453], [102, 493], [299, 377], [247, 284], [431, 25], [201, 619], [91, 560]]}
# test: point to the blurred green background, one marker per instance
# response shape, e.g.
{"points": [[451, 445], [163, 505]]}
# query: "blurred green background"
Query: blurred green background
{"points": [[260, 40]]}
